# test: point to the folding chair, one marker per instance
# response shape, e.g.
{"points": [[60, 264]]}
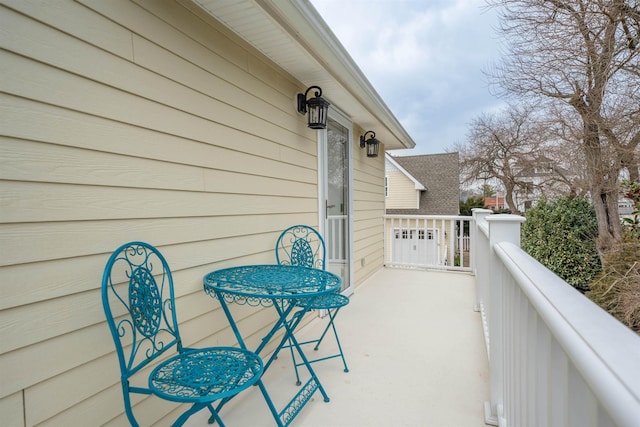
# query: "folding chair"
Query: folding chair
{"points": [[138, 301], [303, 246]]}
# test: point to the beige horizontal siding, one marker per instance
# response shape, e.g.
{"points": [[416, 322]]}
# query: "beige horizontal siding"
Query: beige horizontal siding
{"points": [[41, 242], [35, 161], [35, 202], [34, 121], [368, 207], [402, 192], [198, 120], [117, 125], [139, 120], [56, 78]]}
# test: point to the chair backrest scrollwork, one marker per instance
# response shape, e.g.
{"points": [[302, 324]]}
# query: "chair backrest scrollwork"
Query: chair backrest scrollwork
{"points": [[138, 301], [301, 245]]}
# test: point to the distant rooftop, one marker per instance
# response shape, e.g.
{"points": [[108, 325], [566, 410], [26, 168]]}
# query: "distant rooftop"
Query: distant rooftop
{"points": [[440, 175]]}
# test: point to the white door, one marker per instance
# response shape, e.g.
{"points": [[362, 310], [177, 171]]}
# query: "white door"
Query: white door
{"points": [[335, 197], [416, 247]]}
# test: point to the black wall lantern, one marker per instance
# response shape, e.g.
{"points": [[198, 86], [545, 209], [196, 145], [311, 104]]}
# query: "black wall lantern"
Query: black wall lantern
{"points": [[317, 108], [372, 144]]}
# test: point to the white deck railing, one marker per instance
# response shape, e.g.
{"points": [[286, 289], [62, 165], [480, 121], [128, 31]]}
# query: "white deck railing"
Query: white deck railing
{"points": [[336, 239], [427, 241], [555, 358]]}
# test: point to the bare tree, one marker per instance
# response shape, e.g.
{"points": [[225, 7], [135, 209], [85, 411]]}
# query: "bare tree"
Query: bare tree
{"points": [[583, 55], [566, 131], [500, 145]]}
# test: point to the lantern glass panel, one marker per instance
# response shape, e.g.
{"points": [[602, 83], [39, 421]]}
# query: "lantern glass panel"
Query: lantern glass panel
{"points": [[373, 146]]}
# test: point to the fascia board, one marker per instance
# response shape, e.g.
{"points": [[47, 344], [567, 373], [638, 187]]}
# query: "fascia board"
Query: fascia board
{"points": [[418, 185]]}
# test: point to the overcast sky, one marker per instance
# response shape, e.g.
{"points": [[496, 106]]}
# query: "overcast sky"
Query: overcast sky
{"points": [[425, 58]]}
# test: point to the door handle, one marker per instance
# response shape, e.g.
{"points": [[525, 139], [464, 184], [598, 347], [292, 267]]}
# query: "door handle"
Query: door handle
{"points": [[326, 208]]}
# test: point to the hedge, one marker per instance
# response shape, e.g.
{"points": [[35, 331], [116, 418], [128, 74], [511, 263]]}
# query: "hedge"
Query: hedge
{"points": [[561, 234]]}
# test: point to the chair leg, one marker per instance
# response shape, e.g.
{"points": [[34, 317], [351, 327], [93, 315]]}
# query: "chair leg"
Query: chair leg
{"points": [[196, 407], [330, 323], [344, 362], [127, 404], [295, 362], [318, 341], [293, 323], [214, 416]]}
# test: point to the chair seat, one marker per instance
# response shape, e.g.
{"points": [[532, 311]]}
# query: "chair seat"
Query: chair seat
{"points": [[205, 375], [329, 301]]}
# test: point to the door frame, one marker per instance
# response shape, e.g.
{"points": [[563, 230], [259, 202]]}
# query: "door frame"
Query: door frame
{"points": [[343, 120]]}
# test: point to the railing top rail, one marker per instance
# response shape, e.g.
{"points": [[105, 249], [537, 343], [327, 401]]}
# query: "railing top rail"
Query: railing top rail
{"points": [[446, 217], [484, 228], [480, 216], [605, 352]]}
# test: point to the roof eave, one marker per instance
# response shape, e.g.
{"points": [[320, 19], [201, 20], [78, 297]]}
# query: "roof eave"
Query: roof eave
{"points": [[417, 184], [320, 59]]}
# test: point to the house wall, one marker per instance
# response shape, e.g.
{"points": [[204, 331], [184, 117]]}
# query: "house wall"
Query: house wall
{"points": [[368, 210], [402, 191], [139, 120]]}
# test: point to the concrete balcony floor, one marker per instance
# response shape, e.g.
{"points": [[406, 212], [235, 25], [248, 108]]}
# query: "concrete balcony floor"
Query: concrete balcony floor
{"points": [[416, 356]]}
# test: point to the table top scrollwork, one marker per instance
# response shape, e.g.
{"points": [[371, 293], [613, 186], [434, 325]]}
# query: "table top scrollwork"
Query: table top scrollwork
{"points": [[261, 284]]}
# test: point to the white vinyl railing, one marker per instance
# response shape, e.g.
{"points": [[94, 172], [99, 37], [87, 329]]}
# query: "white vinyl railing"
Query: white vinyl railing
{"points": [[555, 358], [427, 241], [336, 238]]}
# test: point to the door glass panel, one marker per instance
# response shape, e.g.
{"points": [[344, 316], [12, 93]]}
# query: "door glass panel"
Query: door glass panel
{"points": [[337, 208]]}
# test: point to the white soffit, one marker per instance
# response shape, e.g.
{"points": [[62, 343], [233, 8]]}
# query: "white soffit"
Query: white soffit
{"points": [[293, 35]]}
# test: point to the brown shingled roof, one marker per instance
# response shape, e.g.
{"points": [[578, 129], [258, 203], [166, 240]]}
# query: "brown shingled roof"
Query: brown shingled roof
{"points": [[440, 174]]}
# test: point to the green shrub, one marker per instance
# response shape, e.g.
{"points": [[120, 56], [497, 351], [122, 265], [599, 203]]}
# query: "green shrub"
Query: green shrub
{"points": [[470, 203], [561, 234]]}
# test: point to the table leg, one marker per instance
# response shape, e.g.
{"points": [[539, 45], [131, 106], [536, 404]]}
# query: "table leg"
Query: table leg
{"points": [[305, 393], [291, 410], [283, 314], [290, 327], [277, 416]]}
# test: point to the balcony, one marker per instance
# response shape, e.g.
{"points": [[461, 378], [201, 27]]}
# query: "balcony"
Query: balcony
{"points": [[416, 353], [486, 335]]}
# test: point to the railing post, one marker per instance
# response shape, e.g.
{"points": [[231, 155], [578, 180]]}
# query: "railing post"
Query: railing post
{"points": [[502, 228], [479, 216]]}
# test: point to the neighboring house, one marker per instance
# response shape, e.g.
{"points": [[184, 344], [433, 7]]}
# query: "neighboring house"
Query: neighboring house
{"points": [[171, 122], [544, 179], [494, 203], [422, 185], [625, 207]]}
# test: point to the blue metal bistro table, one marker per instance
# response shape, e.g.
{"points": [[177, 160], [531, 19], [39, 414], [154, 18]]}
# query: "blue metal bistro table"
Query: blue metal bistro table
{"points": [[283, 287]]}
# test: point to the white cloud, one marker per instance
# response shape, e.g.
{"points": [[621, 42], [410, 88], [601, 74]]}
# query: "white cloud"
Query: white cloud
{"points": [[425, 58]]}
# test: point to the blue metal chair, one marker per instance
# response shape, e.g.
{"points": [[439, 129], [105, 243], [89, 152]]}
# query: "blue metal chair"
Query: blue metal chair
{"points": [[303, 246], [138, 301]]}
